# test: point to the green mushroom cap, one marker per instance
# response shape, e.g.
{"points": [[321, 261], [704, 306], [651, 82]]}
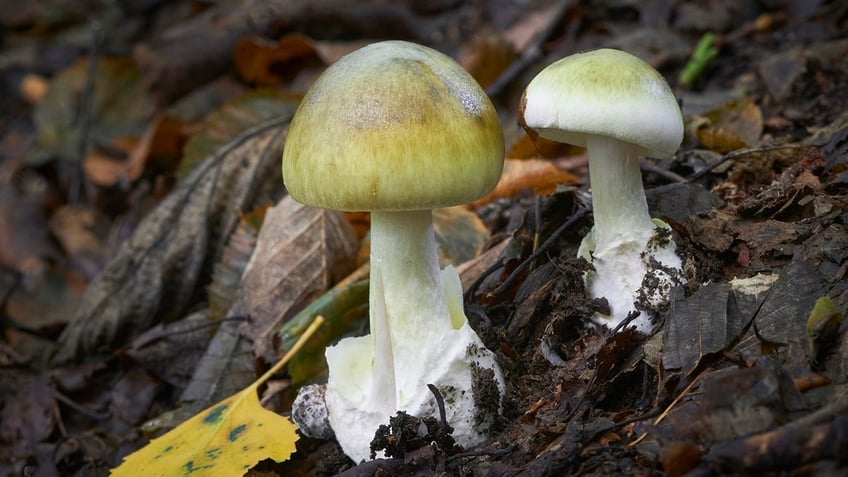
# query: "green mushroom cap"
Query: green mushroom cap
{"points": [[393, 126], [608, 93]]}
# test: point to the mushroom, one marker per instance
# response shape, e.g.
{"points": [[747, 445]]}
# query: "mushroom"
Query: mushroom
{"points": [[397, 129], [619, 108]]}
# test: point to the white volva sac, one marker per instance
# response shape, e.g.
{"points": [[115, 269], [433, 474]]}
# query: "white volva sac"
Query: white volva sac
{"points": [[398, 129], [360, 395], [619, 108]]}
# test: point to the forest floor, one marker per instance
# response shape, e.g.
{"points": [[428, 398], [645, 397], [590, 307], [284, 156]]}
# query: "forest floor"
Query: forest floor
{"points": [[150, 265]]}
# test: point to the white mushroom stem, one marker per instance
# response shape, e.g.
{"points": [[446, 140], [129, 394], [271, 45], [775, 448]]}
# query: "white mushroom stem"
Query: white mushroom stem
{"points": [[618, 198], [621, 246], [406, 298], [419, 336]]}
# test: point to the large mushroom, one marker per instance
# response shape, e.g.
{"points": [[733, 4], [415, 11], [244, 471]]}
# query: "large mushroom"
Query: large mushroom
{"points": [[619, 108], [397, 129]]}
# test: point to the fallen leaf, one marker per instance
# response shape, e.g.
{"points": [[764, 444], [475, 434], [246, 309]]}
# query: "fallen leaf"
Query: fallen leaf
{"points": [[782, 320], [171, 351], [525, 147], [487, 57], [157, 271], [119, 107], [266, 63], [227, 273], [300, 252], [538, 175], [234, 117], [780, 70], [227, 365], [109, 166], [26, 412], [33, 88], [80, 231], [460, 234], [523, 32], [736, 125], [227, 438], [25, 244], [45, 302]]}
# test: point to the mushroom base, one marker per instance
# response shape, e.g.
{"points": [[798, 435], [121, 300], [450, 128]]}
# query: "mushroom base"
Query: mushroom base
{"points": [[633, 275], [456, 363]]}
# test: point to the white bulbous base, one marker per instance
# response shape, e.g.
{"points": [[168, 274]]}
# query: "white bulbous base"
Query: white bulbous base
{"points": [[454, 361], [633, 273]]}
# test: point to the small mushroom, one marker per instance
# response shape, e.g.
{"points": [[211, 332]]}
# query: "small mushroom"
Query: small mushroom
{"points": [[397, 129], [619, 108]]}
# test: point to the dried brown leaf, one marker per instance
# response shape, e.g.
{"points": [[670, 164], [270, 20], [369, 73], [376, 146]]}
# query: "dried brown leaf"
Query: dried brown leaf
{"points": [[526, 147], [460, 234], [226, 276], [487, 58], [226, 368], [538, 175], [172, 351], [300, 252], [267, 63], [119, 107], [80, 231], [735, 125], [45, 301], [157, 272], [25, 245], [26, 416]]}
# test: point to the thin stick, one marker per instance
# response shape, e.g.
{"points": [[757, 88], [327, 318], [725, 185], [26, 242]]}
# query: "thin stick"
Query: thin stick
{"points": [[317, 322], [581, 212]]}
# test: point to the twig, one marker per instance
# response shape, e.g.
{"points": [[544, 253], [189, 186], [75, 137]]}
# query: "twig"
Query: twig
{"points": [[740, 153], [440, 401], [649, 166], [99, 416], [581, 212], [532, 53], [78, 187]]}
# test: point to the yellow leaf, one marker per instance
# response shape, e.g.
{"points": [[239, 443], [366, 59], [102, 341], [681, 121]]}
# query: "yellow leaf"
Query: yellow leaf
{"points": [[228, 438]]}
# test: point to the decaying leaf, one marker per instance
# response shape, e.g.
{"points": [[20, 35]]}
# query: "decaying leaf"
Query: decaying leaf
{"points": [[26, 412], [227, 438], [525, 147], [460, 234], [226, 367], [119, 107], [25, 244], [237, 115], [300, 252], [539, 175], [171, 351], [710, 319], [736, 125], [697, 326], [158, 147], [45, 301], [267, 63], [157, 272], [226, 275], [487, 58], [822, 326], [781, 323]]}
